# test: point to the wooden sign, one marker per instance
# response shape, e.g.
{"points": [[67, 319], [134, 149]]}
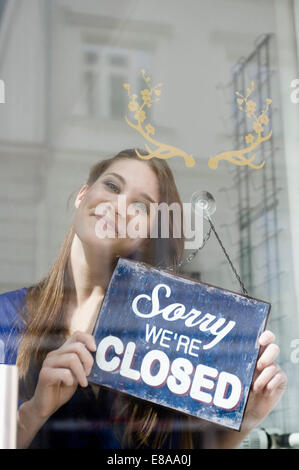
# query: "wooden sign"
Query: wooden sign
{"points": [[178, 343]]}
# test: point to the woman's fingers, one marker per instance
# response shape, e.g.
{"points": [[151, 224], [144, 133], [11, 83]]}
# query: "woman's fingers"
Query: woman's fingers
{"points": [[266, 338], [84, 338], [74, 355], [81, 343], [62, 370], [69, 361], [268, 356], [278, 382], [51, 376], [272, 378], [265, 377], [84, 355]]}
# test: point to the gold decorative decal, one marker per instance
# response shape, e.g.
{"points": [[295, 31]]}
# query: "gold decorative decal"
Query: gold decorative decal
{"points": [[237, 157], [149, 96]]}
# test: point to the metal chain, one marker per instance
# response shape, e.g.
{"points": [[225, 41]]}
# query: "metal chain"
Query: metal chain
{"points": [[244, 290], [194, 253]]}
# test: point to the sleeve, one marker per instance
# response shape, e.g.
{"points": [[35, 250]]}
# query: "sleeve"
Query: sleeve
{"points": [[11, 325]]}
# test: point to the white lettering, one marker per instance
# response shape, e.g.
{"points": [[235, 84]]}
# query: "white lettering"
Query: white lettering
{"points": [[220, 400], [164, 209], [200, 381], [136, 226], [183, 341], [2, 92], [177, 311], [165, 338], [102, 228], [219, 334], [295, 352], [152, 334], [103, 347], [179, 383], [191, 317], [294, 95], [194, 345], [154, 299], [157, 371], [147, 365], [197, 233], [126, 366]]}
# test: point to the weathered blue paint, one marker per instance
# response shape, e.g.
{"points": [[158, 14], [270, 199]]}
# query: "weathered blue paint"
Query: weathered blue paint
{"points": [[236, 353]]}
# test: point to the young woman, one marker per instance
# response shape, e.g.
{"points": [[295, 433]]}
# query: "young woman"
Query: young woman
{"points": [[47, 329]]}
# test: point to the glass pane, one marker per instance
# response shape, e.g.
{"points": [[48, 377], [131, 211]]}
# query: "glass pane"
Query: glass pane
{"points": [[118, 101], [3, 4], [117, 60]]}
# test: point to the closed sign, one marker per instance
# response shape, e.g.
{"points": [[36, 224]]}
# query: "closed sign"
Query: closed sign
{"points": [[178, 343]]}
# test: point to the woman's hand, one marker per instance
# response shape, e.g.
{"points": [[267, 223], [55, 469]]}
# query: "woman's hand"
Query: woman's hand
{"points": [[268, 385], [61, 372]]}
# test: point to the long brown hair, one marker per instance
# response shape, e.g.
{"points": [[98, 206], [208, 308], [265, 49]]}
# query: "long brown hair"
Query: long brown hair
{"points": [[45, 301]]}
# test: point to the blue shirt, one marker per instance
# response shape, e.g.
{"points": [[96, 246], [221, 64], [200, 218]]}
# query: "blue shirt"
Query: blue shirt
{"points": [[85, 420], [11, 325]]}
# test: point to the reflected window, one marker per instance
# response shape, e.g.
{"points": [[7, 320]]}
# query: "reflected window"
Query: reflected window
{"points": [[2, 8], [105, 70]]}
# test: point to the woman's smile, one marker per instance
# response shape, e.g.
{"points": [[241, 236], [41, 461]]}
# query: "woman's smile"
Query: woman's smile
{"points": [[107, 223]]}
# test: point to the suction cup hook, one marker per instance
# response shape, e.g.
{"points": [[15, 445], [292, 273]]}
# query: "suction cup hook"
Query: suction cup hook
{"points": [[204, 200]]}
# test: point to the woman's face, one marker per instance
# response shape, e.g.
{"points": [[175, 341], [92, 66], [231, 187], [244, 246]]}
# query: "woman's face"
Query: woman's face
{"points": [[114, 213]]}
